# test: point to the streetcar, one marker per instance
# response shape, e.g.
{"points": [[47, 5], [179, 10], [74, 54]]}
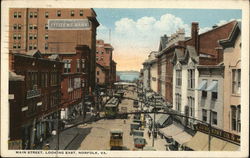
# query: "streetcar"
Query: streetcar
{"points": [[111, 108], [116, 139]]}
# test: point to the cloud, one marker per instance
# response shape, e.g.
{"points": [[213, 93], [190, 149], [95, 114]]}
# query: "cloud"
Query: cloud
{"points": [[133, 39]]}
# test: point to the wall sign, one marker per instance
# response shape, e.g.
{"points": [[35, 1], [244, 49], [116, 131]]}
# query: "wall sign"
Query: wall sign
{"points": [[218, 133], [68, 24]]}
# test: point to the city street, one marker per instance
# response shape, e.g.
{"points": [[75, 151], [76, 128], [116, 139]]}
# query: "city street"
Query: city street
{"points": [[98, 138]]}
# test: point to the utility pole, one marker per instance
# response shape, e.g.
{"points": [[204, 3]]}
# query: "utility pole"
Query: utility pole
{"points": [[57, 128], [153, 134]]}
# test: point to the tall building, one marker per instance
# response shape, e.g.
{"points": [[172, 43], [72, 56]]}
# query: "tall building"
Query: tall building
{"points": [[106, 70], [54, 30]]}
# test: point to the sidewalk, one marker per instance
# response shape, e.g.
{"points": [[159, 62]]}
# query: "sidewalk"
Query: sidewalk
{"points": [[66, 136], [159, 143]]}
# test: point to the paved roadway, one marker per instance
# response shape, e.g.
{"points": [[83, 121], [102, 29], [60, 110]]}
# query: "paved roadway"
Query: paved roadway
{"points": [[98, 138]]}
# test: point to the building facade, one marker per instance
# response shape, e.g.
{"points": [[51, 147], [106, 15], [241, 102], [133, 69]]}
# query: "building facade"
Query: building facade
{"points": [[232, 80], [165, 67], [104, 58], [34, 100], [29, 29], [200, 50]]}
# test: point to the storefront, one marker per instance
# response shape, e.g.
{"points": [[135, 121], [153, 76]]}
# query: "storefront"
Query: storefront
{"points": [[219, 140], [200, 142]]}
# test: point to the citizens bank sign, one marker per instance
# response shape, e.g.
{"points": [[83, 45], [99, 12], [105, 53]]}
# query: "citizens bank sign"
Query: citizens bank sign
{"points": [[68, 24]]}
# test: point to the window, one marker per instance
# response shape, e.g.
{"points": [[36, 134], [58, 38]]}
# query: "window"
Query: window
{"points": [[178, 77], [191, 78], [19, 27], [178, 102], [33, 77], [204, 115], [14, 46], [46, 36], [97, 58], [102, 52], [236, 77], [31, 14], [35, 36], [72, 13], [35, 27], [19, 45], [77, 65], [83, 64], [15, 14], [214, 95], [35, 14], [46, 26], [96, 52], [204, 94], [15, 26], [46, 14], [46, 46], [54, 99], [97, 79], [30, 46], [233, 118], [19, 15], [30, 26], [14, 36], [214, 117], [238, 119], [19, 36], [53, 78], [97, 72], [59, 13], [30, 36], [81, 12], [191, 106], [35, 46], [67, 66]]}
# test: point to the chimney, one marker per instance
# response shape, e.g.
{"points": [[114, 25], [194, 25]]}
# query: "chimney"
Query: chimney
{"points": [[215, 26], [219, 55], [195, 36]]}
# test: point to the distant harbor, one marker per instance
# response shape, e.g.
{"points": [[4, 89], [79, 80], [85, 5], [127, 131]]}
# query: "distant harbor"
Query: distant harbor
{"points": [[128, 75]]}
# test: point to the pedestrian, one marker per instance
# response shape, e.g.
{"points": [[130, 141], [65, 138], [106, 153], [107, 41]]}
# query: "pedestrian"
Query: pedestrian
{"points": [[124, 121], [47, 146], [149, 134]]}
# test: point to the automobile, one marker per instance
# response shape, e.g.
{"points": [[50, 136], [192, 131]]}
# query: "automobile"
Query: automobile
{"points": [[139, 142], [135, 104], [116, 139]]}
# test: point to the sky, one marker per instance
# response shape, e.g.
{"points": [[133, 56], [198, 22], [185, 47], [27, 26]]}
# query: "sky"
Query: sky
{"points": [[134, 33]]}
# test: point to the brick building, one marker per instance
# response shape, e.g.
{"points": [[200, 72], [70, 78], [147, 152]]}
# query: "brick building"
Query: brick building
{"points": [[30, 30], [165, 67], [106, 69], [75, 82], [34, 97]]}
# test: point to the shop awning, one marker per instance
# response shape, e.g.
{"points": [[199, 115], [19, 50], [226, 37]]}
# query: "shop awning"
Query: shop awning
{"points": [[202, 86], [198, 142], [171, 130], [213, 86], [231, 147], [162, 119], [216, 144], [182, 137]]}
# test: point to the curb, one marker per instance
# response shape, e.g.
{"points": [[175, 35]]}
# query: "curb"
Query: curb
{"points": [[71, 141]]}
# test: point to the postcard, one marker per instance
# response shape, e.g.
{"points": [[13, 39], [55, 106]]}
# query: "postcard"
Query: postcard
{"points": [[124, 78]]}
